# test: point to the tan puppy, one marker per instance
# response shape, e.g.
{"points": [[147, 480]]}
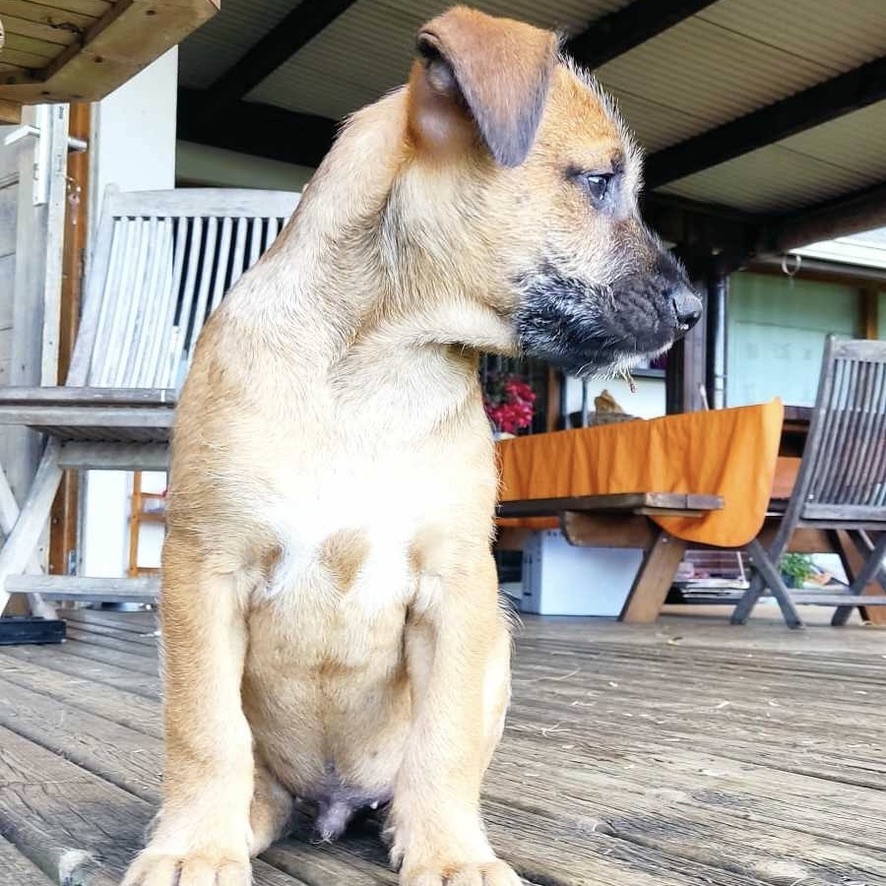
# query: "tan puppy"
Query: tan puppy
{"points": [[330, 613]]}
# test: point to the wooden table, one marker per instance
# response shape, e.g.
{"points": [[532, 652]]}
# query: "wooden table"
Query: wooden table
{"points": [[795, 429], [656, 485], [621, 520]]}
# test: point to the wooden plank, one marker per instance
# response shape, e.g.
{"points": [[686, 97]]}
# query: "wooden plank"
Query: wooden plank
{"points": [[821, 598], [612, 531], [148, 416], [142, 622], [23, 59], [101, 673], [114, 48], [81, 629], [115, 456], [631, 501], [132, 761], [37, 46], [46, 34], [53, 18], [92, 8], [86, 589], [107, 641], [665, 817], [63, 818], [64, 519], [88, 396], [683, 789], [10, 112], [18, 869], [126, 661], [129, 759], [70, 821], [138, 712], [653, 581]]}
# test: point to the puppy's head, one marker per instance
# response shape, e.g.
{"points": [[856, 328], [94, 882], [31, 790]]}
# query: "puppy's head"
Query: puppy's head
{"points": [[528, 156]]}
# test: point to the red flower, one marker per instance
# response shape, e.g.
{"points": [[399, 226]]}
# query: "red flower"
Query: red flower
{"points": [[508, 403]]}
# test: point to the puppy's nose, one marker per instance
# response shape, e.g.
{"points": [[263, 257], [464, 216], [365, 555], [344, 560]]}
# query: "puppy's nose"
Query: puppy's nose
{"points": [[687, 307]]}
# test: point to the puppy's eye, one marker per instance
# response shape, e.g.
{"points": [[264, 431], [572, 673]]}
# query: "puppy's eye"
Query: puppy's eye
{"points": [[597, 184]]}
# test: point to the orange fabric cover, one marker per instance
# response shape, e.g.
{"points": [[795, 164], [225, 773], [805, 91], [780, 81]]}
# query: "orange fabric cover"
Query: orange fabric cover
{"points": [[727, 452]]}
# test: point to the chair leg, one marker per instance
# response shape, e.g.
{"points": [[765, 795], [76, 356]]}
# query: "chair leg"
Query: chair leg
{"points": [[872, 568], [22, 540], [9, 513], [767, 575], [748, 600]]}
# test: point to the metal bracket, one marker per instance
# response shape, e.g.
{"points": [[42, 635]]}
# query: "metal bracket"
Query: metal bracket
{"points": [[40, 130]]}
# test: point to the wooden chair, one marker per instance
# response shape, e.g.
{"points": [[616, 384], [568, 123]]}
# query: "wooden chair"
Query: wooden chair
{"points": [[162, 262], [841, 484]]}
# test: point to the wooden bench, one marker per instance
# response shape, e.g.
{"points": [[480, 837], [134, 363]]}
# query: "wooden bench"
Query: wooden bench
{"points": [[622, 520]]}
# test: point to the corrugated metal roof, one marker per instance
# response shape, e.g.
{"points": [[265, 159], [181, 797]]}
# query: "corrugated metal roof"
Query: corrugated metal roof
{"points": [[772, 179], [209, 51], [368, 50], [738, 55], [704, 76], [832, 159], [728, 60]]}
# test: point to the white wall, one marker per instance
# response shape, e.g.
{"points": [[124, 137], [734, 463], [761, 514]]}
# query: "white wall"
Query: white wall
{"points": [[647, 402], [218, 168], [133, 147]]}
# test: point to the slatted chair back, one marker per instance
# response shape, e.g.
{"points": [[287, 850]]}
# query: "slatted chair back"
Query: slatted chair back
{"points": [[843, 474], [162, 262]]}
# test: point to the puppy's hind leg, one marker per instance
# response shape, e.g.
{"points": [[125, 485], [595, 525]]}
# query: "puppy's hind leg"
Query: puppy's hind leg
{"points": [[271, 811], [202, 835]]}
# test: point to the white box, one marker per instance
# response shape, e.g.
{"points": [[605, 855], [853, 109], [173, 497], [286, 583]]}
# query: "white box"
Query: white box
{"points": [[561, 579]]}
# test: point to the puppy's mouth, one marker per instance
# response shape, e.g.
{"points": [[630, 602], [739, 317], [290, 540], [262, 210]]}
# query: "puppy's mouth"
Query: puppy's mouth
{"points": [[593, 329]]}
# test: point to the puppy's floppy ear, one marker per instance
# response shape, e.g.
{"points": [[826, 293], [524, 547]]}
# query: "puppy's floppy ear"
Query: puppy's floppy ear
{"points": [[494, 71]]}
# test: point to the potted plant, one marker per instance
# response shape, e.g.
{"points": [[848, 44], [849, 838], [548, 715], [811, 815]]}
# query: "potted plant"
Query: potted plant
{"points": [[796, 569], [508, 401]]}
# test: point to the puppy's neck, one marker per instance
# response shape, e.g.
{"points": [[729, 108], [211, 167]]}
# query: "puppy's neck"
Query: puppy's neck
{"points": [[365, 268]]}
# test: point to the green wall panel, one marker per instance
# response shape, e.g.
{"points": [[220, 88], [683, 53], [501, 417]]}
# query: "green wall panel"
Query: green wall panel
{"points": [[775, 334]]}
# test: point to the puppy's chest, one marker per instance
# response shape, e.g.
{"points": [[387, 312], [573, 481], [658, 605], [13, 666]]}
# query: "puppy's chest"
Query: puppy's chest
{"points": [[351, 531]]}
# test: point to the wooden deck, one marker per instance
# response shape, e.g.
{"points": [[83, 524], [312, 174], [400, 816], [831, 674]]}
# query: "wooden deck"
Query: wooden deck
{"points": [[686, 752]]}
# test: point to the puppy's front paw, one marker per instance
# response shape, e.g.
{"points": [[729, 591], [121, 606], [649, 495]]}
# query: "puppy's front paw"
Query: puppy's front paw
{"points": [[154, 869], [490, 873]]}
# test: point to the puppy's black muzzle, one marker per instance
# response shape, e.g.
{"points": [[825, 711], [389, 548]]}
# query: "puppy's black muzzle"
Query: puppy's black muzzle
{"points": [[591, 328]]}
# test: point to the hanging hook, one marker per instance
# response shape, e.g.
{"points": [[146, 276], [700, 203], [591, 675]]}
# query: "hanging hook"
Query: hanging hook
{"points": [[791, 272]]}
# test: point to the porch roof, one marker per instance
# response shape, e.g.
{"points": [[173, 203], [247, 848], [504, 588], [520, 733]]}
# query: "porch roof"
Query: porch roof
{"points": [[764, 128]]}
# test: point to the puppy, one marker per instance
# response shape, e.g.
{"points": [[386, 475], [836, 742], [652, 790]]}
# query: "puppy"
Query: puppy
{"points": [[330, 613]]}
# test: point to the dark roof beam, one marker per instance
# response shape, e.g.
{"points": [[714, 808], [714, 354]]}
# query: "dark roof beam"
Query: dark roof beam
{"points": [[307, 20], [852, 214], [618, 32], [819, 104], [257, 129]]}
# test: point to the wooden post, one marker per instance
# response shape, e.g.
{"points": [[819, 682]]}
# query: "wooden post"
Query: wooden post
{"points": [[869, 297], [556, 385], [65, 508], [686, 364]]}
